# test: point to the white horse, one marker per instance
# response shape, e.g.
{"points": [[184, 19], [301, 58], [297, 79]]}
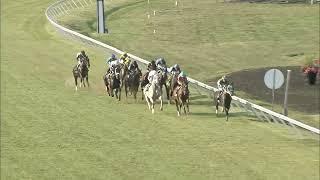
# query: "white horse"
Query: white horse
{"points": [[153, 93]]}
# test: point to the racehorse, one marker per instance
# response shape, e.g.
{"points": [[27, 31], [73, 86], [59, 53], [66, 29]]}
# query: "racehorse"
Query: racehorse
{"points": [[123, 74], [112, 83], [153, 93], [163, 81], [143, 82], [81, 72], [181, 98], [133, 82], [171, 82], [224, 101]]}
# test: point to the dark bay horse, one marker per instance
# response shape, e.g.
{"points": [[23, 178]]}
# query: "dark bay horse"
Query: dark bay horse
{"points": [[132, 82], [143, 82], [163, 81], [123, 75], [112, 83], [81, 72], [225, 99], [181, 98]]}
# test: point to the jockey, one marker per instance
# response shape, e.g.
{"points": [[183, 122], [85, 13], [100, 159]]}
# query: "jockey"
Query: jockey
{"points": [[161, 63], [222, 83], [182, 79], [174, 69], [82, 55], [134, 66], [112, 62], [110, 59], [125, 59], [151, 76], [151, 66]]}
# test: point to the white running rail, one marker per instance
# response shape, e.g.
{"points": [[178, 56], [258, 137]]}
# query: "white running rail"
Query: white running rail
{"points": [[64, 7]]}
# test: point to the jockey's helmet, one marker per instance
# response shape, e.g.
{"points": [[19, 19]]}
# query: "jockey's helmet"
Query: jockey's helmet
{"points": [[82, 52], [78, 54], [113, 56]]}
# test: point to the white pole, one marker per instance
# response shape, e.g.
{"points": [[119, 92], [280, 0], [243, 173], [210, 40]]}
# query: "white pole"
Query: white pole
{"points": [[285, 104], [154, 12], [148, 1], [273, 86], [176, 3]]}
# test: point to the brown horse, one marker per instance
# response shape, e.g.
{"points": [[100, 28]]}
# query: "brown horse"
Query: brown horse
{"points": [[181, 98], [112, 83], [81, 72], [163, 81], [223, 99], [143, 82], [132, 83]]}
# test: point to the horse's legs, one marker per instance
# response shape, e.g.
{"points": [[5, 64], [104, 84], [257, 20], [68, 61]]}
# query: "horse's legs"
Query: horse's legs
{"points": [[161, 103], [76, 82], [142, 94], [126, 89], [148, 103], [107, 89], [227, 113], [111, 92], [187, 103], [184, 107], [135, 94], [167, 91], [152, 106], [87, 78], [117, 90], [177, 105], [217, 107]]}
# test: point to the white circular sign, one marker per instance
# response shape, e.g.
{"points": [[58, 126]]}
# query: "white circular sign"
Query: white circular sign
{"points": [[273, 78]]}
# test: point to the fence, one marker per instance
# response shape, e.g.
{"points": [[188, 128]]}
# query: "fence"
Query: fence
{"points": [[64, 7]]}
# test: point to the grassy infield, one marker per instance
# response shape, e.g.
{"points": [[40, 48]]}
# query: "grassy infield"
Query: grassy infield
{"points": [[50, 132]]}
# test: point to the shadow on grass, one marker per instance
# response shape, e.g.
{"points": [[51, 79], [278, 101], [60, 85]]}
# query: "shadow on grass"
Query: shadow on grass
{"points": [[196, 97]]}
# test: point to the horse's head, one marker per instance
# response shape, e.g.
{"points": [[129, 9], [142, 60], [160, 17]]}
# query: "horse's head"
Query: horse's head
{"points": [[230, 89], [162, 75], [184, 89], [83, 63], [117, 71]]}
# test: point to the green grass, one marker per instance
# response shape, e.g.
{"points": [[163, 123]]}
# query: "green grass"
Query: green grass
{"points": [[48, 131]]}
